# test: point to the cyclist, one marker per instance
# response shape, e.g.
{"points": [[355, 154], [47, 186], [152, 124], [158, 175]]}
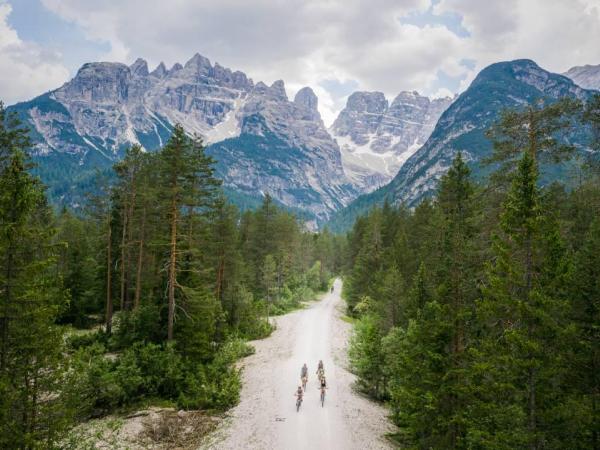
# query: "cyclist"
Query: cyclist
{"points": [[323, 384], [299, 393], [322, 387], [320, 369], [320, 373], [304, 375], [304, 371]]}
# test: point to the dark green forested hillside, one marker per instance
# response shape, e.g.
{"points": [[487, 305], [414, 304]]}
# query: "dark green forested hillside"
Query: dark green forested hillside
{"points": [[148, 295], [478, 312]]}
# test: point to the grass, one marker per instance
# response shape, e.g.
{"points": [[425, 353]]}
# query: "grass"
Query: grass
{"points": [[348, 319]]}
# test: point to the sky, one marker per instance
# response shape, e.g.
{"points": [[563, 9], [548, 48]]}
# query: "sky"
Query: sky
{"points": [[435, 47]]}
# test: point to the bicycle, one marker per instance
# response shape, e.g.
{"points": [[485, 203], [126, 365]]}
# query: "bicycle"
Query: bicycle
{"points": [[304, 381], [322, 396], [298, 403]]}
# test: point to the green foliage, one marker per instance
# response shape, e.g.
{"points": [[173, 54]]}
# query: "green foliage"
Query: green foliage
{"points": [[478, 311], [31, 297], [366, 356], [170, 277]]}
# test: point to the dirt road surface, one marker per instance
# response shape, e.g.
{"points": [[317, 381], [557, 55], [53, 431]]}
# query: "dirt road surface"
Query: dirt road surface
{"points": [[266, 416]]}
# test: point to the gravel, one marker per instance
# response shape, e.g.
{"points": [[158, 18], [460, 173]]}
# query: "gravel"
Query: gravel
{"points": [[266, 416]]}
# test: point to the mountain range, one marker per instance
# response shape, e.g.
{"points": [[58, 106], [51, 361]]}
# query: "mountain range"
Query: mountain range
{"points": [[376, 137], [264, 142], [462, 127]]}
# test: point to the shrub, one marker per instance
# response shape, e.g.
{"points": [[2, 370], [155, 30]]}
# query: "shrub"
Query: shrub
{"points": [[76, 341], [210, 387], [94, 388]]}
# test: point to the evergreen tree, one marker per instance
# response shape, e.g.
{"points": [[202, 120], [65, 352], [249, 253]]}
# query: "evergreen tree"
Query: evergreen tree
{"points": [[31, 411], [538, 129], [516, 364], [186, 181], [583, 362]]}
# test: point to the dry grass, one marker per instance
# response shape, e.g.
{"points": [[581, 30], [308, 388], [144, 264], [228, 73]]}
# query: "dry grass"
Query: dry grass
{"points": [[178, 429]]}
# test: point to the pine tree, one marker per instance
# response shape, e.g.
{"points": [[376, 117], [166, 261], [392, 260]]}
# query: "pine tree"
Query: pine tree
{"points": [[31, 361], [269, 280], [518, 355], [537, 129], [187, 182], [583, 363], [126, 190]]}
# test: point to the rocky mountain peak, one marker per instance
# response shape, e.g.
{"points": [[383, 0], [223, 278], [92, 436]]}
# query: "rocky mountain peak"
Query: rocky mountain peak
{"points": [[462, 127], [588, 76], [176, 68], [199, 64], [308, 102], [160, 71], [306, 98], [97, 83], [263, 142], [412, 99], [371, 102], [139, 68], [528, 72], [278, 89], [376, 139]]}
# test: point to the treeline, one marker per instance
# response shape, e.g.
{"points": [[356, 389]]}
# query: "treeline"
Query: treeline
{"points": [[147, 295], [478, 312]]}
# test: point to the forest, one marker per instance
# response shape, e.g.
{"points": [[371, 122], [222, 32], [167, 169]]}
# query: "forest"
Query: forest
{"points": [[146, 293], [477, 313]]}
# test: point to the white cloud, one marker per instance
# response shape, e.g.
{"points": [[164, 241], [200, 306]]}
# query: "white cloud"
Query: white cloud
{"points": [[27, 68], [302, 42], [442, 93], [557, 34], [306, 42]]}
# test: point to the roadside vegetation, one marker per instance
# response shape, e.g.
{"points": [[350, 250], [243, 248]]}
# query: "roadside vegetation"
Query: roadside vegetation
{"points": [[478, 312], [145, 295]]}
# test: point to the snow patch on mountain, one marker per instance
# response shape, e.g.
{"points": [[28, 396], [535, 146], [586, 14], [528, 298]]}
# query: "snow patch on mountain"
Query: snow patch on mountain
{"points": [[376, 138]]}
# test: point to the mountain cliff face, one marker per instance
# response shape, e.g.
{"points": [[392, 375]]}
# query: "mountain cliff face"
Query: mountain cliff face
{"points": [[283, 149], [376, 138], [462, 128], [267, 144], [588, 77]]}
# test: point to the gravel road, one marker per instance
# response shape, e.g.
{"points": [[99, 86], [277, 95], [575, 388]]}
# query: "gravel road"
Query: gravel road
{"points": [[266, 416]]}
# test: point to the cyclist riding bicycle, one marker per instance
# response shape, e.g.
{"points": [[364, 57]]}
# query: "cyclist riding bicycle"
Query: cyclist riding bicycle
{"points": [[322, 387], [320, 374], [323, 384], [320, 366], [304, 371]]}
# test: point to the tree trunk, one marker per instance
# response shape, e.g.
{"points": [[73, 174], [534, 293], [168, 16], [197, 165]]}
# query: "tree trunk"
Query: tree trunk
{"points": [[220, 276], [109, 301], [10, 253], [138, 277], [172, 271], [123, 254], [127, 246]]}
